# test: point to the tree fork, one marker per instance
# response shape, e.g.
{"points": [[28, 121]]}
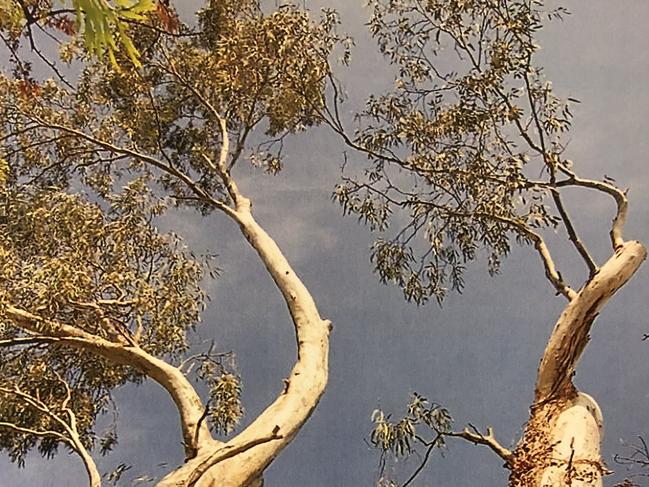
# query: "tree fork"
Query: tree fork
{"points": [[184, 395]]}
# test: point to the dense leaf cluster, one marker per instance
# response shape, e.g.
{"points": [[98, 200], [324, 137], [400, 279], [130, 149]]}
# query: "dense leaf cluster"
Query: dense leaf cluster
{"points": [[107, 272], [264, 74]]}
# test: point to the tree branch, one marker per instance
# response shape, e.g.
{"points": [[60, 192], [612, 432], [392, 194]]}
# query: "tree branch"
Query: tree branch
{"points": [[305, 385], [617, 194], [30, 431], [541, 247], [477, 438], [226, 452], [181, 176], [73, 440], [221, 167], [571, 333], [187, 401], [32, 340], [430, 447], [551, 163]]}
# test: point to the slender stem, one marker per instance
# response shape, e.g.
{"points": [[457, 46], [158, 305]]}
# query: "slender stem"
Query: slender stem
{"points": [[429, 450], [617, 194], [552, 167]]}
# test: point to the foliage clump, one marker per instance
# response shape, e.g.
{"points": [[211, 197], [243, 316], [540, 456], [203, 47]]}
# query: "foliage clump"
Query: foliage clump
{"points": [[108, 273]]}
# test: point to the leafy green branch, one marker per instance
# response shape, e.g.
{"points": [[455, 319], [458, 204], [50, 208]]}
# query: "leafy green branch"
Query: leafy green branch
{"points": [[402, 438]]}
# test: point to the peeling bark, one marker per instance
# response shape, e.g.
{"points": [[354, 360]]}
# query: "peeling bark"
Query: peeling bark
{"points": [[561, 443], [571, 333]]}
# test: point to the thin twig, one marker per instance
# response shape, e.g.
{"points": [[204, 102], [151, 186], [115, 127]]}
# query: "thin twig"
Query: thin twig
{"points": [[431, 446]]}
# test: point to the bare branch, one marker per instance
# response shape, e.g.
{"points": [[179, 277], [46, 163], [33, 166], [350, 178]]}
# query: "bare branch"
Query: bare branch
{"points": [[541, 247], [551, 164], [616, 193], [32, 340], [550, 270], [39, 433], [430, 447], [472, 434]]}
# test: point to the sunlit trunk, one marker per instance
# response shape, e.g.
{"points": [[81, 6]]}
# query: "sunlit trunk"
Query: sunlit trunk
{"points": [[561, 443], [241, 461], [561, 446]]}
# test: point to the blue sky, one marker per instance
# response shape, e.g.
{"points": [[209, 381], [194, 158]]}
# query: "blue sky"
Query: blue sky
{"points": [[478, 354]]}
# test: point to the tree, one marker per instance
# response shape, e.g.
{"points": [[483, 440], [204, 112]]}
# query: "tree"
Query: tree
{"points": [[93, 295], [466, 156], [141, 120]]}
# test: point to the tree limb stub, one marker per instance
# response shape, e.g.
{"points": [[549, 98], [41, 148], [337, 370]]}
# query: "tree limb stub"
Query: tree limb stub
{"points": [[571, 333]]}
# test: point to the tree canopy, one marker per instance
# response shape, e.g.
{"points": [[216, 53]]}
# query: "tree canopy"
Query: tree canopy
{"points": [[466, 156]]}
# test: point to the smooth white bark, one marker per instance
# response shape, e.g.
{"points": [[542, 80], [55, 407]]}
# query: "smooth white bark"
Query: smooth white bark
{"points": [[571, 333], [188, 403], [258, 445]]}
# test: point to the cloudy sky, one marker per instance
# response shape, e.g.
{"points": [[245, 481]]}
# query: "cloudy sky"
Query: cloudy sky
{"points": [[478, 354]]}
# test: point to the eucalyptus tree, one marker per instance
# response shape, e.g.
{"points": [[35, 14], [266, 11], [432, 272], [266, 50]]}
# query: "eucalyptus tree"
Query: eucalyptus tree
{"points": [[465, 156], [93, 295]]}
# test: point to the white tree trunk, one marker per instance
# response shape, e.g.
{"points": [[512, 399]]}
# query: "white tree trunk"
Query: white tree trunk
{"points": [[242, 460], [576, 436], [561, 443]]}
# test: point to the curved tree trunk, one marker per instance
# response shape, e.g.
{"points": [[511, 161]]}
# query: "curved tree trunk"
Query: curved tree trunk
{"points": [[561, 443], [241, 461]]}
